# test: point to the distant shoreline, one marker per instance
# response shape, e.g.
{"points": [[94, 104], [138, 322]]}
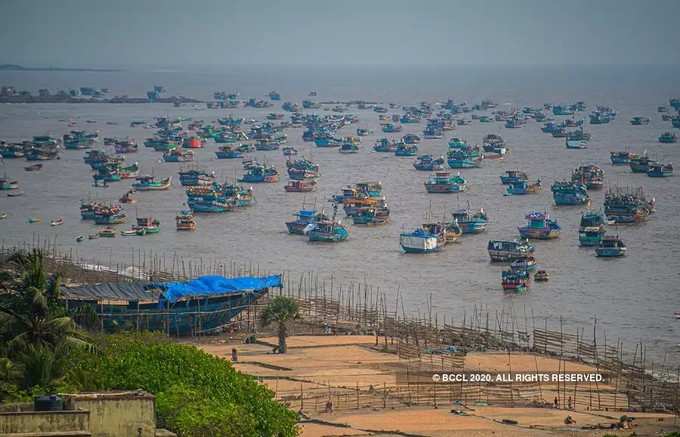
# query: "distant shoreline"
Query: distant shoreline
{"points": [[14, 67]]}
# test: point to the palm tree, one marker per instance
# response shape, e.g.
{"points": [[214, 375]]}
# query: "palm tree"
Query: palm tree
{"points": [[281, 310]]}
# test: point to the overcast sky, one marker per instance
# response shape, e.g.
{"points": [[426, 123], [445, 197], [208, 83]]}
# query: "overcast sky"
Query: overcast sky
{"points": [[226, 32]]}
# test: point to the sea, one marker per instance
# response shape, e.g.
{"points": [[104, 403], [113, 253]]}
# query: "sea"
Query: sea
{"points": [[633, 298]]}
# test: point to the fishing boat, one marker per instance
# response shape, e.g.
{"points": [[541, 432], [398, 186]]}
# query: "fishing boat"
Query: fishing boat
{"points": [[57, 222], [126, 146], [599, 117], [149, 183], [325, 230], [494, 144], [640, 163], [508, 251], [192, 143], [391, 128], [513, 281], [348, 147], [177, 155], [429, 163], [659, 170], [127, 197], [129, 172], [627, 205], [304, 218], [385, 145], [194, 177], [569, 193], [107, 232], [33, 167], [3, 215], [511, 176], [326, 140], [668, 138], [289, 151], [576, 144], [620, 158], [210, 205], [444, 182], [33, 220], [539, 227], [419, 241], [471, 222], [161, 144], [8, 184], [523, 187], [404, 149], [541, 276], [109, 215], [639, 121], [146, 225], [611, 246], [15, 193], [372, 216], [259, 174], [300, 186], [523, 264], [591, 176], [591, 228], [78, 140], [11, 151], [185, 221], [228, 152], [80, 238]]}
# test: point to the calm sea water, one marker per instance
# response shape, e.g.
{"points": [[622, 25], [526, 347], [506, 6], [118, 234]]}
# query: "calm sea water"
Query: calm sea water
{"points": [[633, 297]]}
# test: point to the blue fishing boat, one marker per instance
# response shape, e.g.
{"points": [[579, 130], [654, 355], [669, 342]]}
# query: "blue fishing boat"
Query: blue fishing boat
{"points": [[598, 117], [150, 183], [519, 188], [659, 170], [349, 147], [539, 227], [591, 228], [391, 128], [404, 149], [494, 144], [304, 218], [467, 158], [178, 155], [523, 265], [194, 177], [471, 222], [210, 205], [325, 140], [620, 158], [514, 281], [444, 182], [610, 247], [507, 251], [372, 216], [562, 110], [228, 152], [260, 173], [668, 138], [512, 176], [385, 145], [569, 193], [330, 231]]}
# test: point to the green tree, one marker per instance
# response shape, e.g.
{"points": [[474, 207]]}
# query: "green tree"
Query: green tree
{"points": [[281, 310]]}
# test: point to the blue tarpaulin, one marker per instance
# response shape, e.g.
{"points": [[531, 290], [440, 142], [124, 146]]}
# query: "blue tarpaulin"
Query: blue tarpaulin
{"points": [[216, 285]]}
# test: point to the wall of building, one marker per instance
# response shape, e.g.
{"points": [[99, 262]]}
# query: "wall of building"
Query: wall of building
{"points": [[117, 415], [43, 421]]}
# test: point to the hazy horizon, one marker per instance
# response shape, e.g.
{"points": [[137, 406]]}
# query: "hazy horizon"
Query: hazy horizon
{"points": [[213, 33]]}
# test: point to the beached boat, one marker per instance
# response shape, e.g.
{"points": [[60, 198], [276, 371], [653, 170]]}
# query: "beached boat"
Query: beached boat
{"points": [[523, 187], [591, 176], [150, 183], [429, 163], [627, 205], [508, 251], [539, 227], [668, 138], [620, 158], [185, 221], [659, 170], [591, 228], [444, 182], [611, 246], [569, 193], [471, 222], [513, 281], [404, 149], [303, 186]]}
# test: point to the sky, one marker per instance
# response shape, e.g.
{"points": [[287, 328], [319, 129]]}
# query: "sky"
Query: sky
{"points": [[90, 33]]}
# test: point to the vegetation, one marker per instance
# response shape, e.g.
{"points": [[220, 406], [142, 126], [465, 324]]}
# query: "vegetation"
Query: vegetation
{"points": [[281, 310], [197, 394]]}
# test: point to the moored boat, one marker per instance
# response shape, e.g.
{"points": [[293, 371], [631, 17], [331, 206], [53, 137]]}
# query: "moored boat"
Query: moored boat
{"points": [[325, 230], [185, 221], [471, 222], [419, 241], [150, 183], [668, 138], [300, 186], [444, 182], [620, 158], [511, 176], [523, 187], [429, 163], [513, 281], [659, 170], [508, 251], [591, 176], [627, 205], [591, 228], [569, 193], [611, 246], [539, 227]]}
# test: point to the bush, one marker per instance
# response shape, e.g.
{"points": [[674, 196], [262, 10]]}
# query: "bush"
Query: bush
{"points": [[197, 394]]}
